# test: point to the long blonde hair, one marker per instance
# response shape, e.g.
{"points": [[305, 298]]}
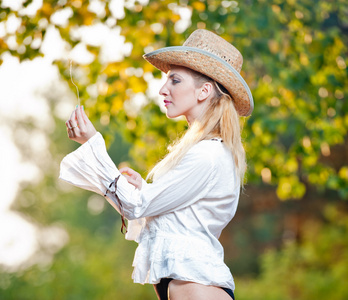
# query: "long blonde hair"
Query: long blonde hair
{"points": [[219, 120]]}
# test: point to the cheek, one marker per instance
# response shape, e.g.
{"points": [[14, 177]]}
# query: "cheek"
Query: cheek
{"points": [[184, 93]]}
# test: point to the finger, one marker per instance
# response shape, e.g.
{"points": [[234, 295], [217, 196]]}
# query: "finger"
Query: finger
{"points": [[70, 133], [80, 120], [72, 116], [67, 124], [84, 116], [130, 172], [131, 181], [125, 170], [129, 178], [73, 126], [126, 176], [72, 120]]}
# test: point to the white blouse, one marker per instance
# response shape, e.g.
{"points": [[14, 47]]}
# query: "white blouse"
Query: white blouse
{"points": [[176, 220]]}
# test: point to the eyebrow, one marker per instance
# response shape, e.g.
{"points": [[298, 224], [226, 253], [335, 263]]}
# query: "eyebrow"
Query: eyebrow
{"points": [[173, 74]]}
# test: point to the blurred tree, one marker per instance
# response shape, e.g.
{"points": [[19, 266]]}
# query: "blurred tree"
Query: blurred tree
{"points": [[295, 63], [295, 57], [308, 270]]}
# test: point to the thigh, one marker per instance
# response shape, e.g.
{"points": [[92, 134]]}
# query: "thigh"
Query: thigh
{"points": [[184, 290]]}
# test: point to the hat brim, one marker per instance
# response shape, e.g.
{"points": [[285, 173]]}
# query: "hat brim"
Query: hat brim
{"points": [[209, 65]]}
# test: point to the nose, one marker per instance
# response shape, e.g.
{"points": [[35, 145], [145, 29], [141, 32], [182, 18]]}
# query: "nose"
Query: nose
{"points": [[164, 90]]}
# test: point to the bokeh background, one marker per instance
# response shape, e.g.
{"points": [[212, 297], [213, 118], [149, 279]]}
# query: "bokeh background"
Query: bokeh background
{"points": [[289, 238]]}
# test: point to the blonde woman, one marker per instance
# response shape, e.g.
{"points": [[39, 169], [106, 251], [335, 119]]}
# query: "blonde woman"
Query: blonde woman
{"points": [[178, 218]]}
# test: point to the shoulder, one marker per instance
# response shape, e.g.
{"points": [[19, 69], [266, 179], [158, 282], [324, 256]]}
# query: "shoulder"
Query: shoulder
{"points": [[212, 152], [210, 148], [199, 157]]}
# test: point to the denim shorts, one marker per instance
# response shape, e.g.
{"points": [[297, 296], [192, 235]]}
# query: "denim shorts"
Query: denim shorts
{"points": [[162, 289]]}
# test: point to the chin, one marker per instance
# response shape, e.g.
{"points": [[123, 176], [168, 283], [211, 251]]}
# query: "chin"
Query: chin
{"points": [[171, 115]]}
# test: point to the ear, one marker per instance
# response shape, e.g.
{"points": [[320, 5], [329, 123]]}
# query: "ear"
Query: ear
{"points": [[205, 91]]}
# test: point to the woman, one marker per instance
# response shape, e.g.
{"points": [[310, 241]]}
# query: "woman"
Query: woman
{"points": [[178, 218]]}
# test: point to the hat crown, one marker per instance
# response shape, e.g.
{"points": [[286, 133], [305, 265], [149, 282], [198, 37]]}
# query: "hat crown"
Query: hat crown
{"points": [[214, 44]]}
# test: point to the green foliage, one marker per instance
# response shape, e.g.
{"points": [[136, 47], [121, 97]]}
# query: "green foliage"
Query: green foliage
{"points": [[309, 270], [295, 61], [90, 268]]}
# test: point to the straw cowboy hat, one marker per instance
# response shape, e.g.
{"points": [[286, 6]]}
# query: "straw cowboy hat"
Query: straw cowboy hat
{"points": [[211, 55]]}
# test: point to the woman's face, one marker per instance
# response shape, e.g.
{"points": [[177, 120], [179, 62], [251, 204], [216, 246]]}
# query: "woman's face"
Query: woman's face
{"points": [[181, 94]]}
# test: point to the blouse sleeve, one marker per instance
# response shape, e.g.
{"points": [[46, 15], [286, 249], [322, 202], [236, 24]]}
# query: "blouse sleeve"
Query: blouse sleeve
{"points": [[90, 167]]}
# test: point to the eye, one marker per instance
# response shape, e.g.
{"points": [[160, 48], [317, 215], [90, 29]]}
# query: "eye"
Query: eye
{"points": [[175, 81]]}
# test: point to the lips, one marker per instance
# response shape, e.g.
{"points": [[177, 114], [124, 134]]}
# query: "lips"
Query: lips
{"points": [[167, 102]]}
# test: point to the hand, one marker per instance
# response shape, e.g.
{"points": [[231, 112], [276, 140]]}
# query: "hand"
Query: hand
{"points": [[132, 177], [80, 128]]}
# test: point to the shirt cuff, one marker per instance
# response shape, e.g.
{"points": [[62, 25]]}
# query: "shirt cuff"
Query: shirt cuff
{"points": [[89, 166]]}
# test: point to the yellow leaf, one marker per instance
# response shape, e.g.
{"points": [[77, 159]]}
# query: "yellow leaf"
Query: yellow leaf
{"points": [[148, 68], [46, 9], [199, 6], [117, 105], [290, 187], [343, 173], [136, 84], [117, 86], [174, 18], [111, 70]]}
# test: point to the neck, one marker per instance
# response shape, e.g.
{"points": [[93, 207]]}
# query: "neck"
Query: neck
{"points": [[198, 113], [190, 120]]}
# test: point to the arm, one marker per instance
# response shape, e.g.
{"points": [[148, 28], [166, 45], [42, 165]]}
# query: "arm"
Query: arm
{"points": [[182, 186], [91, 168]]}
